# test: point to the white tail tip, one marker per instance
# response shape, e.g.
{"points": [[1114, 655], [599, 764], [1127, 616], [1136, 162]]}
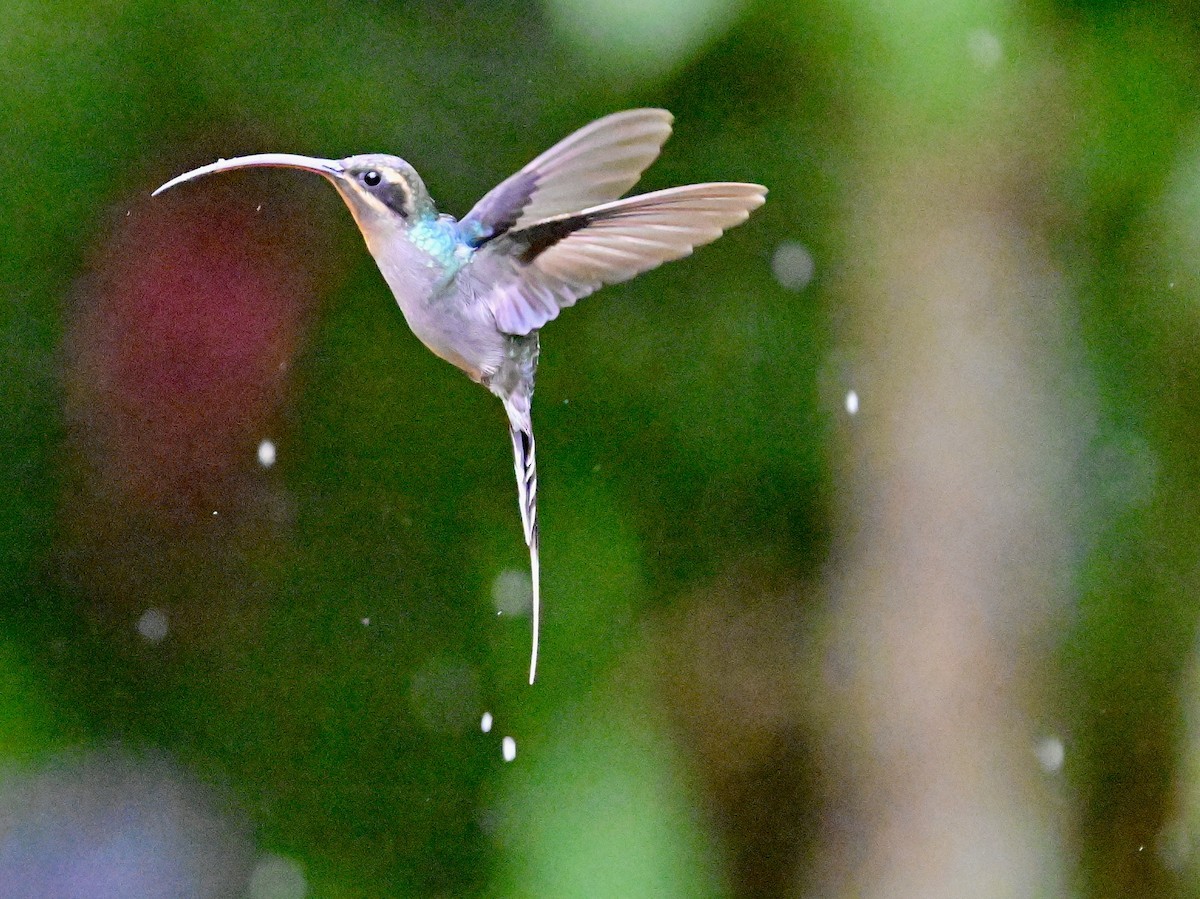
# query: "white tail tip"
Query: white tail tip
{"points": [[536, 612]]}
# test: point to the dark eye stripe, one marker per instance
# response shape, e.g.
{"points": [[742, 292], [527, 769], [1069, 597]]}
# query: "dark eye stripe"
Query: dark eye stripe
{"points": [[398, 198]]}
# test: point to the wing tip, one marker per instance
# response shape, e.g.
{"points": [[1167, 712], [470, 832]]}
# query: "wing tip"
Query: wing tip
{"points": [[649, 112]]}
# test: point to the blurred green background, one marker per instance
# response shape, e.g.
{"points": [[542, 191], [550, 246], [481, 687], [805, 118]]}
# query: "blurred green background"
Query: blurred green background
{"points": [[871, 533]]}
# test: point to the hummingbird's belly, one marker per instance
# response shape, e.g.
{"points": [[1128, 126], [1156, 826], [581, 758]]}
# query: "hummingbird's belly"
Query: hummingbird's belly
{"points": [[462, 335], [442, 315]]}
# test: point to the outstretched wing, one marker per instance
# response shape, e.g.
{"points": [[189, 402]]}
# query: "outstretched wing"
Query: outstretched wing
{"points": [[527, 275], [597, 163]]}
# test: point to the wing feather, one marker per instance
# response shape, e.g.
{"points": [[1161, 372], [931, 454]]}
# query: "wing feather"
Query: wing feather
{"points": [[613, 242], [597, 163]]}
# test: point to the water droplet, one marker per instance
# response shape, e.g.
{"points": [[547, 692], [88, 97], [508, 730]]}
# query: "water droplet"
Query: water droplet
{"points": [[266, 453], [485, 723], [1173, 844], [793, 265], [1051, 753], [512, 592], [985, 48], [852, 402], [276, 877], [508, 749], [153, 625]]}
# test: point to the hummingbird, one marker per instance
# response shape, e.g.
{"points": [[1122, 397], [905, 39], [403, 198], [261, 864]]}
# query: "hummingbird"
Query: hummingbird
{"points": [[477, 290]]}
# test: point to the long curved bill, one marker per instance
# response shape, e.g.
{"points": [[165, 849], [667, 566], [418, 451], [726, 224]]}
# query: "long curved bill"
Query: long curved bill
{"points": [[330, 168]]}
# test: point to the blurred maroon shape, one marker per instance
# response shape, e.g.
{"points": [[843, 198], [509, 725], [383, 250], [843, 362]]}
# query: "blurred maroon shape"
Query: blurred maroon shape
{"points": [[179, 346]]}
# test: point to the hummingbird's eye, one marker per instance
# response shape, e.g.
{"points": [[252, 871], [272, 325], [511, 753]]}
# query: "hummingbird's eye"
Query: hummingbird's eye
{"points": [[372, 178]]}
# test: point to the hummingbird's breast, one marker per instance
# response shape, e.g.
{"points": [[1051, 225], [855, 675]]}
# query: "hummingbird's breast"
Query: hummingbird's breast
{"points": [[422, 265]]}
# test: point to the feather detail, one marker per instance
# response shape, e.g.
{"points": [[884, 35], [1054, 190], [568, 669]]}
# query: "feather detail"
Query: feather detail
{"points": [[513, 383], [597, 163], [525, 465], [529, 275]]}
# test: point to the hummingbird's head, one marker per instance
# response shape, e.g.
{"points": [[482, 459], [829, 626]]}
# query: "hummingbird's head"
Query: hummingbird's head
{"points": [[384, 193]]}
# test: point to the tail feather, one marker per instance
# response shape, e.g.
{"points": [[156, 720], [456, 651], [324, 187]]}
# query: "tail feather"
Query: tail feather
{"points": [[513, 383], [525, 463]]}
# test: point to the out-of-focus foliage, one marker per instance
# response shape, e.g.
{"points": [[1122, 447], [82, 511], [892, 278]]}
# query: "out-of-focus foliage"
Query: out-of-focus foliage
{"points": [[788, 638]]}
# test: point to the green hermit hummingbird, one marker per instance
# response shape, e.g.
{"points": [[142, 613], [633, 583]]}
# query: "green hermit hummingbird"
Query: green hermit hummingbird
{"points": [[476, 291]]}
